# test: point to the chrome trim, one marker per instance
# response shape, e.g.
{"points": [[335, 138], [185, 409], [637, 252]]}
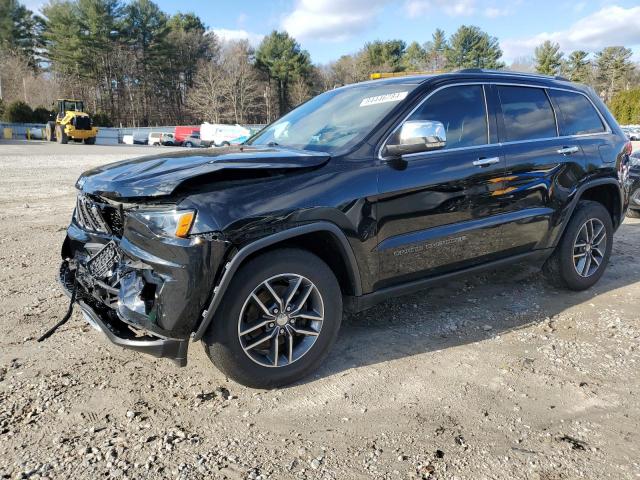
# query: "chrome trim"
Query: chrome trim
{"points": [[484, 162], [499, 144], [568, 150]]}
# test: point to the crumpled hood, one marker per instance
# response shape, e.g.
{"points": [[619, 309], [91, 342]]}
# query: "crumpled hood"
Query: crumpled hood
{"points": [[160, 175]]}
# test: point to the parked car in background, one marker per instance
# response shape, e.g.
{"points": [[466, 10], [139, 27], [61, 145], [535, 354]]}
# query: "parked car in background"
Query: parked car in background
{"points": [[221, 135], [168, 140], [361, 194], [136, 138], [632, 133], [182, 132], [192, 140], [155, 138], [634, 173]]}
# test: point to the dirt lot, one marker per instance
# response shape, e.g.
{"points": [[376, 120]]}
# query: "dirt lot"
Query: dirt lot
{"points": [[495, 377]]}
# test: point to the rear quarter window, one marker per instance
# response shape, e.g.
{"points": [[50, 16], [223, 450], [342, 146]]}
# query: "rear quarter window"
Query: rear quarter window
{"points": [[527, 113], [577, 115]]}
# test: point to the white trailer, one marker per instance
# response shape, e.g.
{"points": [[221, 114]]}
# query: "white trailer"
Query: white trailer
{"points": [[218, 134]]}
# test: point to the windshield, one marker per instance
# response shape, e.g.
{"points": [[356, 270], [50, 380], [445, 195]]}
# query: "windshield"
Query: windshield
{"points": [[334, 120], [72, 106]]}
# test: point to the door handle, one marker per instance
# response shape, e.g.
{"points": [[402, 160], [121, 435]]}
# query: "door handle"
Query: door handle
{"points": [[568, 150], [483, 162]]}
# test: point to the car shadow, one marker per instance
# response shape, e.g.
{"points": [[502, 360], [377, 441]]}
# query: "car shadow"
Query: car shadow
{"points": [[467, 310]]}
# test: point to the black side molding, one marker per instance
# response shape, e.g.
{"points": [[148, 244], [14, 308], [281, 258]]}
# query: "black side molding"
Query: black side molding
{"points": [[358, 304], [243, 253]]}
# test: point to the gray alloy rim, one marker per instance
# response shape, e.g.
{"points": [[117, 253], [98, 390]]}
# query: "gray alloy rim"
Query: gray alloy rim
{"points": [[280, 320], [589, 247]]}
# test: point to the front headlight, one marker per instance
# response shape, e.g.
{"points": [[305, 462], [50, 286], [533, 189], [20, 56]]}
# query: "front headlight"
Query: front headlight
{"points": [[167, 223]]}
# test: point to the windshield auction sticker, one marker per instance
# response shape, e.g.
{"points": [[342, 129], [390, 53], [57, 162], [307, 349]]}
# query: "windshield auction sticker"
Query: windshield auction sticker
{"points": [[387, 97]]}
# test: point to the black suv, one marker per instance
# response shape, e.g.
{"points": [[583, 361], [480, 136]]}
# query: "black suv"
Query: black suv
{"points": [[364, 192]]}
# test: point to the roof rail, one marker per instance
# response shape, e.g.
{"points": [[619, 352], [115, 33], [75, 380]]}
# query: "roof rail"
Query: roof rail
{"points": [[513, 73]]}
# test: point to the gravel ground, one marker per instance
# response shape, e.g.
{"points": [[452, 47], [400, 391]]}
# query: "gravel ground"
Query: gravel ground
{"points": [[499, 376]]}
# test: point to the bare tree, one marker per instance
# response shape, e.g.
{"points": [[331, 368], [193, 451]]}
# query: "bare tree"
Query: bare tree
{"points": [[205, 99], [240, 83], [300, 91]]}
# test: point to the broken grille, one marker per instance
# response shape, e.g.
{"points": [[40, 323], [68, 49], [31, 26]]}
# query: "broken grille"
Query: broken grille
{"points": [[98, 217]]}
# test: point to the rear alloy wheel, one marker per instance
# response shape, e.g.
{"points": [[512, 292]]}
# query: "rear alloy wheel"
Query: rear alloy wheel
{"points": [[188, 144], [277, 321], [589, 247], [582, 255]]}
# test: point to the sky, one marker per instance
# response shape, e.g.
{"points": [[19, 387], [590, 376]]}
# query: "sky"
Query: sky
{"points": [[331, 28]]}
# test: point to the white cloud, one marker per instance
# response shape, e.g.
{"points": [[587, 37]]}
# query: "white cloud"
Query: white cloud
{"points": [[334, 20], [609, 26], [495, 12], [226, 35], [453, 8], [458, 8]]}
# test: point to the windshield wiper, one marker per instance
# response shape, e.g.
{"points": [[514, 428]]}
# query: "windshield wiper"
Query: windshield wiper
{"points": [[273, 144]]}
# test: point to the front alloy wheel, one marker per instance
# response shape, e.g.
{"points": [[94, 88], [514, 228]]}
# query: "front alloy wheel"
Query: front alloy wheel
{"points": [[277, 320], [281, 320]]}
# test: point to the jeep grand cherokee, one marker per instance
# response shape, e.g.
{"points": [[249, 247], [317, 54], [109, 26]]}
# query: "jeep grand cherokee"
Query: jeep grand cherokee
{"points": [[363, 193]]}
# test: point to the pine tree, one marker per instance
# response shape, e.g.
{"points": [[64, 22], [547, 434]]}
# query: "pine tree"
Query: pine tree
{"points": [[415, 57], [385, 56], [436, 51], [578, 68], [17, 30], [470, 47], [548, 58], [283, 60], [613, 70]]}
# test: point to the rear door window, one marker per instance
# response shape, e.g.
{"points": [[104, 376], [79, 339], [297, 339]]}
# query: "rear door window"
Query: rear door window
{"points": [[577, 114], [462, 111], [527, 113]]}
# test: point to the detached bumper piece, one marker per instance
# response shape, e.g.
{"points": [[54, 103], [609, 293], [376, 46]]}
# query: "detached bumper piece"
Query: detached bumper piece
{"points": [[120, 333]]}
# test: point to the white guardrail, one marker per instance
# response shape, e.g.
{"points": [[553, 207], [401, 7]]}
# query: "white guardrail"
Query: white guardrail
{"points": [[106, 135]]}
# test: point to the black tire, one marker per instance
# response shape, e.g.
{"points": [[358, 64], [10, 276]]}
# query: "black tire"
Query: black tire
{"points": [[90, 141], [61, 137], [188, 144], [560, 269], [50, 130], [225, 144], [631, 213], [222, 342]]}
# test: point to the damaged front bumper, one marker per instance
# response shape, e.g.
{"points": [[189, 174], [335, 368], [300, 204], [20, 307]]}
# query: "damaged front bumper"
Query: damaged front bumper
{"points": [[151, 295]]}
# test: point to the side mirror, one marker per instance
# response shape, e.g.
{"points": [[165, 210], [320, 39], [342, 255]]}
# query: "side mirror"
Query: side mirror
{"points": [[417, 136]]}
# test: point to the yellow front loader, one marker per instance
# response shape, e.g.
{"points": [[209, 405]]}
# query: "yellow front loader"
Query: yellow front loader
{"points": [[71, 123]]}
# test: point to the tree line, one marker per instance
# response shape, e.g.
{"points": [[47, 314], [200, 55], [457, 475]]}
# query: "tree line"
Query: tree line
{"points": [[135, 65]]}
